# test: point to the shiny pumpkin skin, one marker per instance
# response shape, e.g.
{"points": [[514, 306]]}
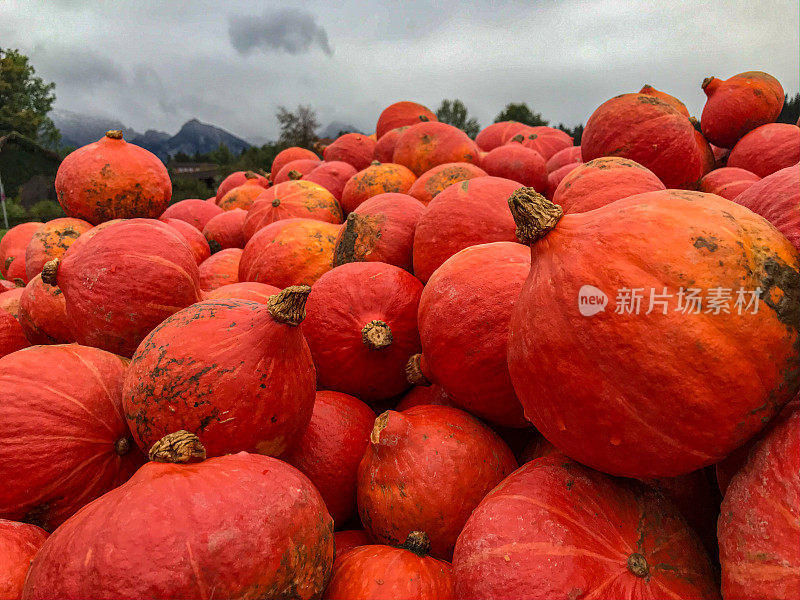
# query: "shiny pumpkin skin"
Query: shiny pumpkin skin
{"points": [[193, 211], [384, 148], [112, 179], [154, 275], [629, 414], [331, 448], [498, 134], [426, 145], [353, 148], [728, 182], [759, 523], [292, 200], [341, 304], [426, 469], [545, 140], [383, 178], [333, 176], [51, 240], [517, 163], [350, 538], [241, 196], [556, 529], [739, 104], [602, 181], [567, 156], [295, 169], [289, 252], [249, 526], [12, 336], [463, 316], [649, 90], [228, 372], [19, 543], [236, 179], [465, 214], [226, 230], [650, 132], [402, 114], [221, 268], [64, 405], [378, 572], [194, 239], [767, 149], [12, 250], [243, 290], [43, 314], [380, 230], [777, 199], [288, 155], [431, 182]]}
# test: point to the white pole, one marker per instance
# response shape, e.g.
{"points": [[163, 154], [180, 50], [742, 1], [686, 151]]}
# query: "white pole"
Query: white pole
{"points": [[3, 202]]}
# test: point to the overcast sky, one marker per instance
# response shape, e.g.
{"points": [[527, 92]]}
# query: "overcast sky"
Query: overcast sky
{"points": [[155, 64]]}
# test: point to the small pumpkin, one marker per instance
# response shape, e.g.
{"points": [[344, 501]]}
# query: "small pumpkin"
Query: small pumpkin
{"points": [[236, 179], [384, 148], [241, 196], [728, 182], [401, 114], [193, 211], [226, 230], [221, 268], [567, 156], [545, 140], [50, 241], [333, 176], [767, 149], [353, 148], [12, 250], [430, 183], [426, 145], [43, 314], [288, 155], [498, 134], [295, 169], [381, 178]]}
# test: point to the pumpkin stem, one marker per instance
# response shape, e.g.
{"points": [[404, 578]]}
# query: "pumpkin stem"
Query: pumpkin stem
{"points": [[418, 543], [295, 175], [534, 214], [289, 306], [380, 424], [414, 373], [276, 202], [122, 446], [345, 250], [214, 246], [50, 271], [114, 134], [424, 118], [637, 564], [178, 447], [376, 335], [250, 175], [517, 138], [375, 163]]}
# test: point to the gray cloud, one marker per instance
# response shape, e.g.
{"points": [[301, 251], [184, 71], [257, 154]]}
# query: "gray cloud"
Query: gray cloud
{"points": [[69, 65], [290, 30]]}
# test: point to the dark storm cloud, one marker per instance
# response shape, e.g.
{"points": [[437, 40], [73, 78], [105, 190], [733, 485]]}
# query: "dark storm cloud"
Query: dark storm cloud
{"points": [[290, 30]]}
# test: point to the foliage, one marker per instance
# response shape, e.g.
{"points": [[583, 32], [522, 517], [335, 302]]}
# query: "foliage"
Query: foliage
{"points": [[576, 132], [455, 113], [25, 99], [45, 210], [298, 128], [185, 187], [791, 110], [521, 113]]}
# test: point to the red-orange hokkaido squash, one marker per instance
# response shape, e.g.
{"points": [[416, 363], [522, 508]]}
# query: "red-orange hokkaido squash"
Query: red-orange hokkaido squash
{"points": [[567, 156], [331, 448], [767, 149], [728, 182], [193, 211], [362, 327], [463, 324], [739, 104], [498, 134], [333, 176], [402, 114], [112, 179], [777, 199], [194, 239], [423, 394], [51, 240], [431, 182], [378, 572], [226, 230], [649, 90], [10, 300], [12, 336], [353, 148], [350, 538], [236, 179], [378, 178], [296, 169], [19, 543], [63, 404], [555, 178], [12, 250], [380, 230], [242, 196], [43, 314], [426, 469], [545, 140], [517, 163], [220, 269], [255, 395], [629, 414], [288, 155], [652, 133], [426, 145], [249, 526], [124, 281], [384, 149], [759, 523], [555, 529], [244, 290]]}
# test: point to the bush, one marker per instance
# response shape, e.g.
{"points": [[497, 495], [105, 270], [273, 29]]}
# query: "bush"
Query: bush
{"points": [[45, 210]]}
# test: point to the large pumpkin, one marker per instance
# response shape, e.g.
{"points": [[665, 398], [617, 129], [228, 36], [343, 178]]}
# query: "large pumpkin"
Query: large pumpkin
{"points": [[51, 240], [649, 90], [248, 526], [43, 314], [333, 176], [433, 181], [63, 406], [402, 114], [193, 211], [426, 145], [12, 250], [767, 149], [221, 268], [19, 543], [465, 214], [777, 199], [517, 163], [255, 395], [728, 182], [362, 327], [124, 281], [289, 252], [353, 148], [331, 448], [759, 524], [652, 133], [380, 230], [378, 178], [226, 230], [555, 529], [463, 324], [426, 469], [641, 403], [112, 179], [377, 572], [739, 104]]}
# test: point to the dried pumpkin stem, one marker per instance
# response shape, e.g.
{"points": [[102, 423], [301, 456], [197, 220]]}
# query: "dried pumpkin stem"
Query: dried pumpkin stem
{"points": [[250, 175], [345, 250], [290, 305], [178, 447], [418, 543], [376, 335], [114, 134], [414, 374], [122, 446], [534, 214], [380, 424], [706, 81], [276, 202], [50, 271], [295, 175], [637, 564]]}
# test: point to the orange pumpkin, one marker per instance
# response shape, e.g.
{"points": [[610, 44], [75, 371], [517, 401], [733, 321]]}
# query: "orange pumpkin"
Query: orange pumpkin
{"points": [[50, 241], [352, 148], [498, 134], [426, 145], [242, 196], [384, 149], [439, 177], [12, 250], [649, 90], [288, 155], [220, 269], [401, 114], [378, 178]]}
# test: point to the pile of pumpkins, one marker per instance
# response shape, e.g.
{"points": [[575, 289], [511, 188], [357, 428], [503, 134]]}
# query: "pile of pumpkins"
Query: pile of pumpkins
{"points": [[379, 374]]}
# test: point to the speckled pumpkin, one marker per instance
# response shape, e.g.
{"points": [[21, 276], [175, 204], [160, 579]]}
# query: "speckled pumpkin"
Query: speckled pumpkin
{"points": [[241, 196], [12, 250], [380, 178], [401, 114], [50, 241], [43, 314], [426, 145], [431, 182], [236, 179], [649, 90]]}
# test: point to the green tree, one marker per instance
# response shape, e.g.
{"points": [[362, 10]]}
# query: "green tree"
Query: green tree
{"points": [[791, 110], [521, 113], [453, 112], [576, 132], [298, 128], [25, 99]]}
